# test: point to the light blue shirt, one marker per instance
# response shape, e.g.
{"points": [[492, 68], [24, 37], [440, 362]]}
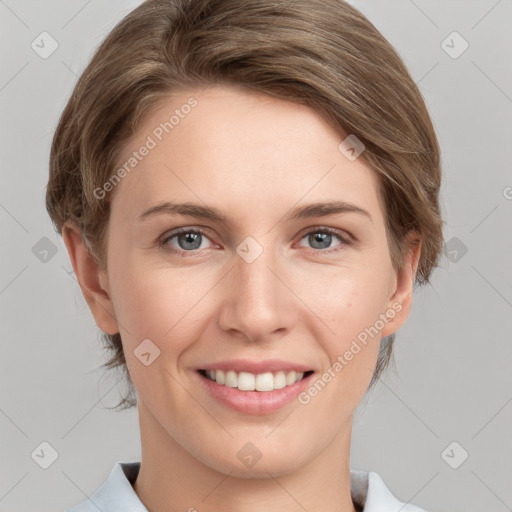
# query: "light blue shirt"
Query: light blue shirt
{"points": [[116, 494]]}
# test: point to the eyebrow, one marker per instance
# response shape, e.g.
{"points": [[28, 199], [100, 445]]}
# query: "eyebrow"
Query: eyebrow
{"points": [[322, 209]]}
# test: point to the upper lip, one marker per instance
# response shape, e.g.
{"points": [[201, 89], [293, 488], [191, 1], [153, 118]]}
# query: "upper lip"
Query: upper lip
{"points": [[256, 367]]}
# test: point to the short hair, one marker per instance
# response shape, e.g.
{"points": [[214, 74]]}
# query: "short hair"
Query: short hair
{"points": [[321, 53]]}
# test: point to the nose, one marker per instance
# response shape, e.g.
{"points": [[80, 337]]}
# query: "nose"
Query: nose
{"points": [[258, 297]]}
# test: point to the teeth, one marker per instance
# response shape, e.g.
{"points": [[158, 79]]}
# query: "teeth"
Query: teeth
{"points": [[245, 381]]}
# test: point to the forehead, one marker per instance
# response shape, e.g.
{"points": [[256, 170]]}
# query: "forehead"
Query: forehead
{"points": [[238, 150]]}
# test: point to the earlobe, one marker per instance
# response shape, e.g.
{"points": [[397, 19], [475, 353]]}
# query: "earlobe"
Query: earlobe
{"points": [[93, 281], [400, 302]]}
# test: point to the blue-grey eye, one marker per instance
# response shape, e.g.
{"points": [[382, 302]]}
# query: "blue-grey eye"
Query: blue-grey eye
{"points": [[320, 240], [187, 240]]}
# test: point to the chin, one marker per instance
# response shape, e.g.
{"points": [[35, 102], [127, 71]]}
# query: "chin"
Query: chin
{"points": [[253, 460]]}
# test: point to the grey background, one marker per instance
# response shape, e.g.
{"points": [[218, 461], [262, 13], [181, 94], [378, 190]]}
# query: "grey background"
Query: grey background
{"points": [[453, 381]]}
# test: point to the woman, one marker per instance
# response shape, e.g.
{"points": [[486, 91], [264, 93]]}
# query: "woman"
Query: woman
{"points": [[248, 192]]}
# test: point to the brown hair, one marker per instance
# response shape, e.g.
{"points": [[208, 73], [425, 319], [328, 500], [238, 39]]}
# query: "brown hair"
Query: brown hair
{"points": [[321, 53]]}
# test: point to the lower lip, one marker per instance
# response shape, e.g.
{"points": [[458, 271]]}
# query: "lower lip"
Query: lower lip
{"points": [[254, 402]]}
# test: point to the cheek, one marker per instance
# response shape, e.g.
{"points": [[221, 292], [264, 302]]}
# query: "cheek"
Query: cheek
{"points": [[350, 303], [161, 304], [352, 311], [157, 305], [348, 300]]}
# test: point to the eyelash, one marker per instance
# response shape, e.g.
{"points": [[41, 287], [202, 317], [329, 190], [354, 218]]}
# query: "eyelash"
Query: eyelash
{"points": [[344, 239]]}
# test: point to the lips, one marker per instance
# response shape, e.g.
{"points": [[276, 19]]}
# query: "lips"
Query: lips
{"points": [[251, 401], [246, 375]]}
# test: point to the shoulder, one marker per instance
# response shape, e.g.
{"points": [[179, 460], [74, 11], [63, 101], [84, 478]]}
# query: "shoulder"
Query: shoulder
{"points": [[370, 491], [116, 492]]}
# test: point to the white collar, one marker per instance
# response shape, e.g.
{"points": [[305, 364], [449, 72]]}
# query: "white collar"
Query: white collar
{"points": [[116, 493]]}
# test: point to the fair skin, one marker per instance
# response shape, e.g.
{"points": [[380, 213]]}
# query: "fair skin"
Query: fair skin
{"points": [[255, 158]]}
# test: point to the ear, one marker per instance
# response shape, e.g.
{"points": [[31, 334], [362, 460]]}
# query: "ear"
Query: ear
{"points": [[400, 301], [93, 281]]}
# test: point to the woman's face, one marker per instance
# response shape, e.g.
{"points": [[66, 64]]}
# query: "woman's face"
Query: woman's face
{"points": [[267, 283]]}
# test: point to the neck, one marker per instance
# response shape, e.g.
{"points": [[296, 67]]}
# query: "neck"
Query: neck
{"points": [[171, 479]]}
